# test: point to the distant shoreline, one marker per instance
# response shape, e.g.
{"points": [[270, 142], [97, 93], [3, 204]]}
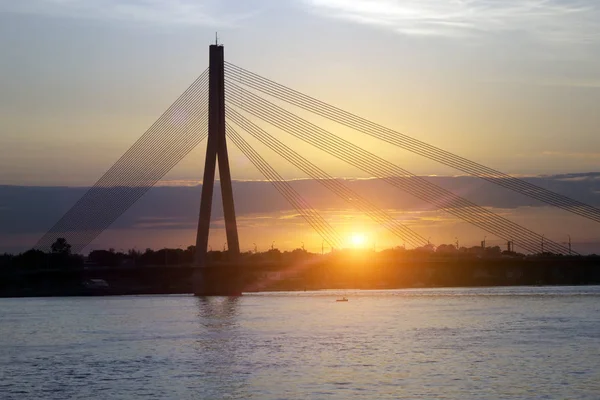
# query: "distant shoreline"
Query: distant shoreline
{"points": [[340, 275], [27, 296]]}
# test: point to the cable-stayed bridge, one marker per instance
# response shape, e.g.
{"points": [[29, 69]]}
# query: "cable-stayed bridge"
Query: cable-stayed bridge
{"points": [[223, 103]]}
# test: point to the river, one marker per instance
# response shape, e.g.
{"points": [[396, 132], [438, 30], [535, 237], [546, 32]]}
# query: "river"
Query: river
{"points": [[477, 343]]}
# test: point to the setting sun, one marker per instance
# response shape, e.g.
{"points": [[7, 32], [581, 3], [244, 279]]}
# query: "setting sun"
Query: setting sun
{"points": [[358, 240]]}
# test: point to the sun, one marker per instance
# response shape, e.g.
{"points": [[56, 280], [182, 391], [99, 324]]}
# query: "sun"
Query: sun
{"points": [[358, 240]]}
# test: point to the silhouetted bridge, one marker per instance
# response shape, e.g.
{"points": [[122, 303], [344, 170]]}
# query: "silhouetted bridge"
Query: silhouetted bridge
{"points": [[219, 105]]}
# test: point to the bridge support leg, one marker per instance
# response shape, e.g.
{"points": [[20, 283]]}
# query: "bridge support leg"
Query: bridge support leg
{"points": [[205, 282]]}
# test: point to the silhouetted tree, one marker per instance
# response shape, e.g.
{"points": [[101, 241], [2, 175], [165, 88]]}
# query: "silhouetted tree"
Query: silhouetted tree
{"points": [[33, 259], [446, 249], [493, 251], [104, 258], [428, 248], [61, 246], [5, 260]]}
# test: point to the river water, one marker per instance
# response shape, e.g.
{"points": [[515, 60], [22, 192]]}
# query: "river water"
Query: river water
{"points": [[493, 343]]}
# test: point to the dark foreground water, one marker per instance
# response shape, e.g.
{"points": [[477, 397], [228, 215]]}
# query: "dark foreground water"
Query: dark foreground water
{"points": [[522, 343]]}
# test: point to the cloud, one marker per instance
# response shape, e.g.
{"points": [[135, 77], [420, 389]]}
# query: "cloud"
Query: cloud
{"points": [[579, 156], [163, 223], [571, 82], [170, 213], [35, 209], [548, 20], [182, 12], [179, 182], [290, 216]]}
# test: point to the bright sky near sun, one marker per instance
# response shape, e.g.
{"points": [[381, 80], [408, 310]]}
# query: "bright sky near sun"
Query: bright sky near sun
{"points": [[513, 84]]}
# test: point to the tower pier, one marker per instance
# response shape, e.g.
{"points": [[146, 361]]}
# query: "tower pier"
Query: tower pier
{"points": [[213, 280]]}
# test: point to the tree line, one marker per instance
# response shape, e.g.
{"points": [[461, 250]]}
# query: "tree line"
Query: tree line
{"points": [[61, 257]]}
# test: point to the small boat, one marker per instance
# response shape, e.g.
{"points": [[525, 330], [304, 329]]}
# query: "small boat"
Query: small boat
{"points": [[342, 299]]}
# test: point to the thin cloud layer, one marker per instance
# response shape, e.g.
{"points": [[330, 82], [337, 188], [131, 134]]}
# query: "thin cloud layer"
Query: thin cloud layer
{"points": [[35, 209], [168, 215], [182, 12], [555, 20], [560, 154]]}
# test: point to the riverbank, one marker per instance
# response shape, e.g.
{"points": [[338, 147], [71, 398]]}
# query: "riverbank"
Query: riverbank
{"points": [[340, 274]]}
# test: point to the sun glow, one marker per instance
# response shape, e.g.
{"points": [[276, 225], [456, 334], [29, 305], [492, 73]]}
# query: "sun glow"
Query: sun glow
{"points": [[358, 240]]}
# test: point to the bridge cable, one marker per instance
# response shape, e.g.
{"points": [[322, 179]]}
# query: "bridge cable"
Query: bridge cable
{"points": [[101, 204], [337, 187], [364, 160], [130, 195], [434, 186], [89, 230], [326, 180], [353, 121], [116, 177], [93, 207], [498, 178], [459, 212], [457, 209], [314, 219]]}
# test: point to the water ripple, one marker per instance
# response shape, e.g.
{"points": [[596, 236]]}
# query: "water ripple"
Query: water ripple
{"points": [[501, 343]]}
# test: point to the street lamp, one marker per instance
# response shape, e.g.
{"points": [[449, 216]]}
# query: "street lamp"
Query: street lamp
{"points": [[272, 244]]}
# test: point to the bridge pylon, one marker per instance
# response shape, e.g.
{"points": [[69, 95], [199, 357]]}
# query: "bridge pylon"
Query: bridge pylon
{"points": [[216, 151]]}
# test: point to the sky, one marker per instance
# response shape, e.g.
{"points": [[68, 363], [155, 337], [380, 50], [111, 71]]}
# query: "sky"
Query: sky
{"points": [[511, 84]]}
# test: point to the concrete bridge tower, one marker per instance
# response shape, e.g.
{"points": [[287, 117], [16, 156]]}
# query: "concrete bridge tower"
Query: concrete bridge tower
{"points": [[208, 280]]}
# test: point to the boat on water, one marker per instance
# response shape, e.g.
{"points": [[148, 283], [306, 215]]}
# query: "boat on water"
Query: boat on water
{"points": [[342, 299]]}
